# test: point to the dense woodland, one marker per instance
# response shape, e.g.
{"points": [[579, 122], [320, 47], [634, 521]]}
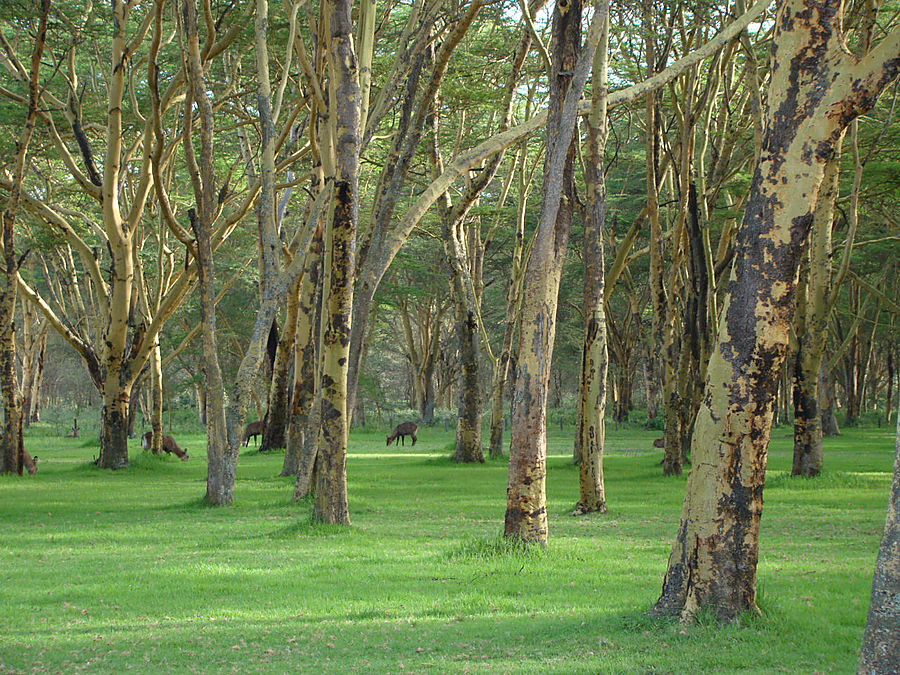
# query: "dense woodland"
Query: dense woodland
{"points": [[492, 215]]}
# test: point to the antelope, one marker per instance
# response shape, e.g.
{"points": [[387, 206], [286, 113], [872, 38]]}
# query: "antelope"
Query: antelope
{"points": [[168, 444], [253, 429], [403, 430], [30, 463]]}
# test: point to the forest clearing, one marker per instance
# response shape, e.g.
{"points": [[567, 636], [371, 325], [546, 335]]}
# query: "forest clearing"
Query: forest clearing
{"points": [[110, 573]]}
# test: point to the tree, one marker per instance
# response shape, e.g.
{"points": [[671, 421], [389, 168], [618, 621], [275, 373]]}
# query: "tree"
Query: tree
{"points": [[881, 640], [816, 90], [340, 243], [12, 445], [526, 512], [591, 426]]}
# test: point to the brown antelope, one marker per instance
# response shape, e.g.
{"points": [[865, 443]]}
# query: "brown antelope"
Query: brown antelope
{"points": [[403, 430], [253, 429], [30, 463], [168, 444]]}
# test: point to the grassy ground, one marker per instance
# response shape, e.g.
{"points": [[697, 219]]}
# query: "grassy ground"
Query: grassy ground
{"points": [[108, 572]]}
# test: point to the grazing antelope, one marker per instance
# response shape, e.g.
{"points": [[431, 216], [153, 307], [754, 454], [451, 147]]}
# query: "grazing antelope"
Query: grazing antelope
{"points": [[30, 463], [168, 444], [403, 430]]}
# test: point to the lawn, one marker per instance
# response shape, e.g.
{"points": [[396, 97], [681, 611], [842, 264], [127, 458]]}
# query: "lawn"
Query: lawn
{"points": [[106, 572]]}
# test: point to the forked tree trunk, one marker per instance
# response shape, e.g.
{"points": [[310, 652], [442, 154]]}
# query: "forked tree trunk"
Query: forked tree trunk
{"points": [[526, 502], [881, 640], [816, 89]]}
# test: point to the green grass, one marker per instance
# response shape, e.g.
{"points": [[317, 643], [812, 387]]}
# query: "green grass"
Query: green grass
{"points": [[107, 572]]}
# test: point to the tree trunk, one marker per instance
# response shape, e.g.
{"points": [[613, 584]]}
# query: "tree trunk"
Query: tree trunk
{"points": [[340, 241], [468, 419], [156, 400], [816, 89], [305, 359], [651, 383], [278, 409], [526, 509], [220, 467], [594, 356], [12, 444], [114, 428], [830, 425], [34, 342], [812, 330], [881, 641]]}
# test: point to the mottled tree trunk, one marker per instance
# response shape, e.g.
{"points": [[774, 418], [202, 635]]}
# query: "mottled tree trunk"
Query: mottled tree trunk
{"points": [[811, 330], [278, 409], [468, 419], [881, 641], [340, 241], [594, 356], [526, 507], [114, 428], [816, 89], [305, 360]]}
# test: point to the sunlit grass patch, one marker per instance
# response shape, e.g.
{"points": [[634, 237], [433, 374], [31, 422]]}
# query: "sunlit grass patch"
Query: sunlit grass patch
{"points": [[107, 572]]}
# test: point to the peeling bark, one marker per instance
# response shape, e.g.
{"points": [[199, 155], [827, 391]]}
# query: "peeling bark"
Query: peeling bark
{"points": [[339, 265], [816, 90]]}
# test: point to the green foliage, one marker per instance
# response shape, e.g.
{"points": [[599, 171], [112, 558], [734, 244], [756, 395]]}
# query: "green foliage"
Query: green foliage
{"points": [[110, 571]]}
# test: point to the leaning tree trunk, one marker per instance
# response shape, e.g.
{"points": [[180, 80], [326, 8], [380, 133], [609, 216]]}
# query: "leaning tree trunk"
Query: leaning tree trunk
{"points": [[526, 501], [340, 241], [816, 89], [594, 356], [881, 640]]}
